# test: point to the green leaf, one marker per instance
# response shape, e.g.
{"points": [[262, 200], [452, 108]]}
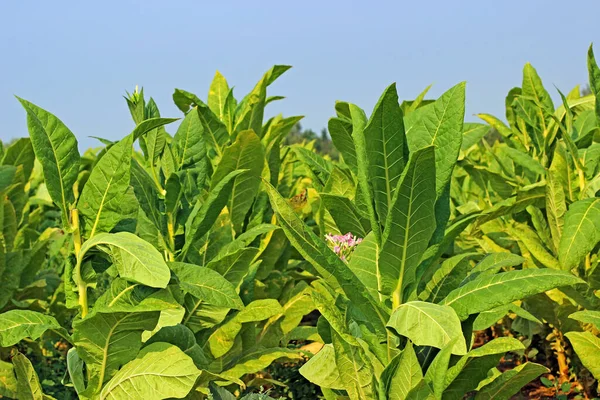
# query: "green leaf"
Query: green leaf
{"points": [[28, 383], [345, 214], [103, 196], [160, 371], [587, 317], [402, 374], [533, 243], [8, 381], [7, 175], [511, 382], [341, 136], [497, 124], [365, 264], [206, 285], [20, 153], [55, 147], [182, 337], [208, 211], [428, 324], [533, 87], [246, 153], [386, 150], [217, 95], [135, 259], [472, 134], [124, 296], [446, 278], [487, 292], [556, 206], [322, 370], [410, 224], [15, 325], [587, 347], [436, 372], [188, 143], [259, 360], [594, 74], [581, 232], [234, 267], [323, 259], [439, 124], [524, 160], [107, 341], [466, 374], [356, 373]]}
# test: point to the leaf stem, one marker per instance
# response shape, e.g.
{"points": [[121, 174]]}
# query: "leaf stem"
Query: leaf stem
{"points": [[81, 285], [171, 232]]}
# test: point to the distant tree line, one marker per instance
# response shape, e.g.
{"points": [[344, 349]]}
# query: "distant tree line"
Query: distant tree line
{"points": [[322, 142]]}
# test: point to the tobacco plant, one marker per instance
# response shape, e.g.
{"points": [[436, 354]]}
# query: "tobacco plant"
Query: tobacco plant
{"points": [[396, 320], [159, 251], [536, 190]]}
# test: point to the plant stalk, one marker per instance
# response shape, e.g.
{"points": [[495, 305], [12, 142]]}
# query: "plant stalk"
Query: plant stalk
{"points": [[81, 285]]}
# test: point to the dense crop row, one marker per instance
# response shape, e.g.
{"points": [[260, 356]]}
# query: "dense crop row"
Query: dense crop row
{"points": [[435, 259]]}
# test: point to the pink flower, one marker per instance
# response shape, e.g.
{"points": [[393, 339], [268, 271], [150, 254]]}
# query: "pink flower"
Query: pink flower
{"points": [[343, 245]]}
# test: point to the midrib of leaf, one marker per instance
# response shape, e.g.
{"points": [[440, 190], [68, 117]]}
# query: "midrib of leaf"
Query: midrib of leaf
{"points": [[580, 223], [500, 282], [422, 311], [378, 273], [97, 220], [398, 291], [388, 189], [437, 129], [105, 352], [127, 289], [187, 138], [196, 305], [537, 98], [207, 126]]}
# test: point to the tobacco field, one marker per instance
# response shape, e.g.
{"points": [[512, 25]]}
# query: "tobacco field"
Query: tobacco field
{"points": [[432, 258]]}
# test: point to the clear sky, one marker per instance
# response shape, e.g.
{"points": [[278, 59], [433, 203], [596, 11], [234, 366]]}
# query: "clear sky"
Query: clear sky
{"points": [[76, 59]]}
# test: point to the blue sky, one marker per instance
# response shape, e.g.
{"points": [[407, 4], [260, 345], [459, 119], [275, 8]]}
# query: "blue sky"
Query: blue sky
{"points": [[76, 59]]}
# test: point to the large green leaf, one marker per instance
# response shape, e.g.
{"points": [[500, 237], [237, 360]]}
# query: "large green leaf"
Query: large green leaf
{"points": [[587, 317], [8, 381], [207, 285], [16, 325], [188, 143], [345, 214], [439, 124], [124, 296], [135, 259], [20, 153], [341, 136], [246, 153], [322, 370], [104, 194], [324, 260], [28, 383], [556, 206], [258, 360], [386, 150], [510, 382], [356, 373], [208, 211], [410, 224], [55, 147], [587, 347], [107, 341], [428, 324], [160, 371], [487, 292], [466, 374], [594, 74], [365, 264], [217, 95], [581, 232], [401, 375]]}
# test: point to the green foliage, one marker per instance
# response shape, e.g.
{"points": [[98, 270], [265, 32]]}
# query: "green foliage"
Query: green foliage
{"points": [[186, 269]]}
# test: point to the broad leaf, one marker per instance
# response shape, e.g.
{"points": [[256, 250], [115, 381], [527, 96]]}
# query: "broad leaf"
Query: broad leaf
{"points": [[55, 147], [581, 232], [587, 347], [160, 371], [428, 324], [16, 325], [487, 292]]}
